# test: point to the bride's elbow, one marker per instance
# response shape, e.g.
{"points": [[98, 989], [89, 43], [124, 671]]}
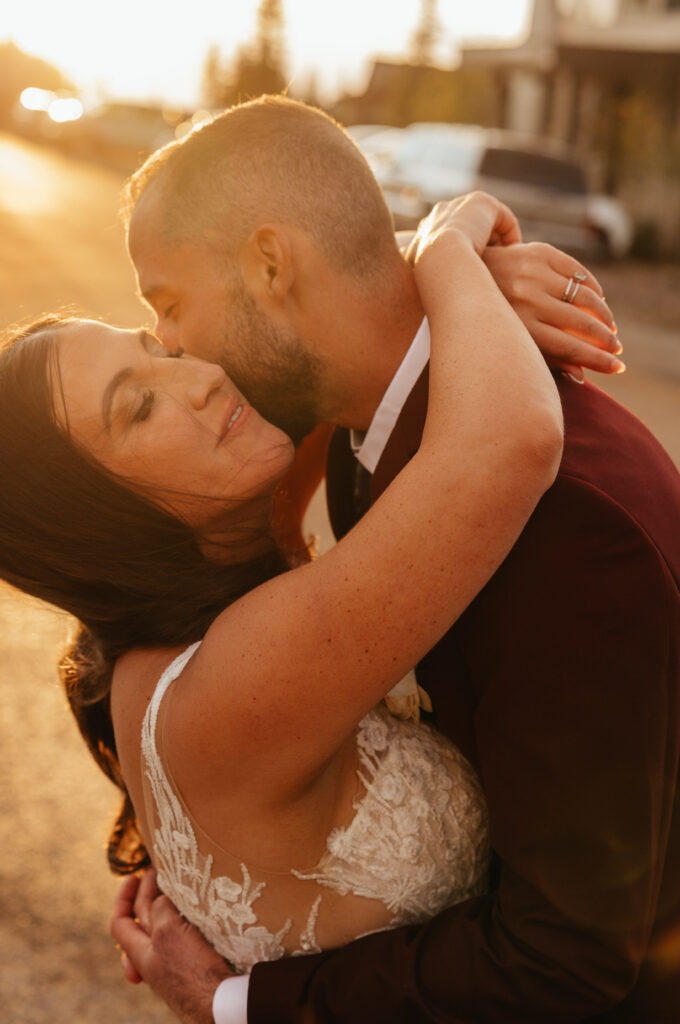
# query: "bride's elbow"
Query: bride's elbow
{"points": [[541, 443]]}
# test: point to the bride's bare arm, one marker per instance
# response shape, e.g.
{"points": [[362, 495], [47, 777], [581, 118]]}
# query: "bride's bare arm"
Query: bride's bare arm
{"points": [[284, 674]]}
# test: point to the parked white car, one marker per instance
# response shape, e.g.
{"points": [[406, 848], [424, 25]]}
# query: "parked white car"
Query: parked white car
{"points": [[540, 180]]}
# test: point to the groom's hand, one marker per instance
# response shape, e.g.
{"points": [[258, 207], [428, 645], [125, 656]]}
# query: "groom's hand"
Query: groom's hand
{"points": [[162, 949]]}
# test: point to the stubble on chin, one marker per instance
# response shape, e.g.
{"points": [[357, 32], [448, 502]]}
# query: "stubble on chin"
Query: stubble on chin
{"points": [[273, 368]]}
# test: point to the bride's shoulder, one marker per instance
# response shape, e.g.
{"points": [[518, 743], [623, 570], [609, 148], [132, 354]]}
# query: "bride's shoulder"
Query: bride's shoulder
{"points": [[135, 677], [144, 666]]}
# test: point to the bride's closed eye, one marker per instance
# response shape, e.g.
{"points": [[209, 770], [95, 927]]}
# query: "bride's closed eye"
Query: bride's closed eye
{"points": [[144, 410]]}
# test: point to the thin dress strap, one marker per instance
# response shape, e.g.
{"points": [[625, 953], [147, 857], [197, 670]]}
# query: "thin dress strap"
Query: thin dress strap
{"points": [[156, 789]]}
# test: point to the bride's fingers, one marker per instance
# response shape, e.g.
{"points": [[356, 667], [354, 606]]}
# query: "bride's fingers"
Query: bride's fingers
{"points": [[575, 372], [506, 230], [581, 320], [589, 300], [588, 292], [586, 298], [565, 351], [588, 316], [567, 266]]}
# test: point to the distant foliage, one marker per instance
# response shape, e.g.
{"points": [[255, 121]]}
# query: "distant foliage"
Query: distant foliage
{"points": [[19, 71], [257, 67]]}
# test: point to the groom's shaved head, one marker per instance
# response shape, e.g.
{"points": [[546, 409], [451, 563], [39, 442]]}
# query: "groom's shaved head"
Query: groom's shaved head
{"points": [[271, 160]]}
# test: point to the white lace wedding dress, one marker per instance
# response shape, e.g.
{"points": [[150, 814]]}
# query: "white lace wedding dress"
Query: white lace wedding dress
{"points": [[417, 843]]}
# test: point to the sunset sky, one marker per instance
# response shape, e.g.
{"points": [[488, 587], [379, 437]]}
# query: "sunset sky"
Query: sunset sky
{"points": [[144, 49]]}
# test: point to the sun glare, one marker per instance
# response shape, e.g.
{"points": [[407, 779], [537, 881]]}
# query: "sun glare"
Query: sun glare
{"points": [[130, 49]]}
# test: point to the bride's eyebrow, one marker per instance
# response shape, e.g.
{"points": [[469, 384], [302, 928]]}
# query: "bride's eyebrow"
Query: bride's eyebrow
{"points": [[119, 378]]}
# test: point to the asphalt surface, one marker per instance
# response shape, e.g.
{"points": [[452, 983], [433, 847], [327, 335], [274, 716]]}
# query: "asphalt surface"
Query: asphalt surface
{"points": [[61, 246]]}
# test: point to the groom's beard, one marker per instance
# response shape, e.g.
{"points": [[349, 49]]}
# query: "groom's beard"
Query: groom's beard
{"points": [[272, 366]]}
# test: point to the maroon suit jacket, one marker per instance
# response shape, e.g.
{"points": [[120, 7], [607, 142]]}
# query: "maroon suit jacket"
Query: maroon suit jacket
{"points": [[561, 684]]}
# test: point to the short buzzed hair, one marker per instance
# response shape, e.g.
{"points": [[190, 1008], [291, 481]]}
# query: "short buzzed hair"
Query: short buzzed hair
{"points": [[272, 159]]}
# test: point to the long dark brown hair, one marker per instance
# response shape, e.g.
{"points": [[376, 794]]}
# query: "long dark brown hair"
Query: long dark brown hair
{"points": [[72, 534]]}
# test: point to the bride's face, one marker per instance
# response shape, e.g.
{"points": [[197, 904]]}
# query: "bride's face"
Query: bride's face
{"points": [[175, 429]]}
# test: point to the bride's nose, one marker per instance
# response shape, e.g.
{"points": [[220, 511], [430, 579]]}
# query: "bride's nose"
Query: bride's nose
{"points": [[205, 379]]}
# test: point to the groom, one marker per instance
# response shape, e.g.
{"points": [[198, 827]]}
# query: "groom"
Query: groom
{"points": [[262, 241]]}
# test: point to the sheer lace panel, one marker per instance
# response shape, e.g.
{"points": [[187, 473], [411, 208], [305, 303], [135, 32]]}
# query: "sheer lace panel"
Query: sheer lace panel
{"points": [[417, 843]]}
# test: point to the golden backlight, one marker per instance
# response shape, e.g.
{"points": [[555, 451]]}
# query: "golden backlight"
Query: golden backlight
{"points": [[147, 50]]}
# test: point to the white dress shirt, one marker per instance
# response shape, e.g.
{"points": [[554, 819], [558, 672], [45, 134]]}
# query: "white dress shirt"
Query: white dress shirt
{"points": [[369, 447], [230, 1003]]}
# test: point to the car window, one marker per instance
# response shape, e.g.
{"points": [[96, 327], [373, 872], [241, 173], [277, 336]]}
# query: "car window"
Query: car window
{"points": [[442, 151], [533, 169]]}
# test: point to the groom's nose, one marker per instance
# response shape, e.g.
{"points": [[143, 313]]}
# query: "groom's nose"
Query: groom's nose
{"points": [[167, 332]]}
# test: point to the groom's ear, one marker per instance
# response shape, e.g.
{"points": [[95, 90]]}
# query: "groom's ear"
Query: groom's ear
{"points": [[266, 261]]}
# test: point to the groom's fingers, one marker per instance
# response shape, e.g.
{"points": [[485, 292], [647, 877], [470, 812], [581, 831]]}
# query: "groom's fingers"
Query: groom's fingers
{"points": [[126, 930], [146, 893], [131, 973], [136, 946], [124, 902]]}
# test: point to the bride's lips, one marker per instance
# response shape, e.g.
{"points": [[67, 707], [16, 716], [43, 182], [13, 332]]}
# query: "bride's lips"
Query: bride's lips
{"points": [[236, 415]]}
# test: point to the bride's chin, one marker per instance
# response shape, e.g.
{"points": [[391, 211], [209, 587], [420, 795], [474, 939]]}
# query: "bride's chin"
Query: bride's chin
{"points": [[230, 548]]}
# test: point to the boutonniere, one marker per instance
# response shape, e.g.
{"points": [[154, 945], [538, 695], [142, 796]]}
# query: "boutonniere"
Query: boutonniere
{"points": [[407, 698]]}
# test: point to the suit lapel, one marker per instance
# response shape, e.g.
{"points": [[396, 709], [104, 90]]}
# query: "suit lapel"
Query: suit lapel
{"points": [[404, 440]]}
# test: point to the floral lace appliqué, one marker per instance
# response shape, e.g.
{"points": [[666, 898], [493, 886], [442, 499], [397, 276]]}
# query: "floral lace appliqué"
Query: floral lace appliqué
{"points": [[417, 841]]}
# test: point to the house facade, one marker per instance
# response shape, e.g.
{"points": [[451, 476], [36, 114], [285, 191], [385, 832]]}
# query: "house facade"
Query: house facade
{"points": [[604, 76]]}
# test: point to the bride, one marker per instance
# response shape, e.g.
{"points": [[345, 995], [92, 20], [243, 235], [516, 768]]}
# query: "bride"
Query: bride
{"points": [[235, 703]]}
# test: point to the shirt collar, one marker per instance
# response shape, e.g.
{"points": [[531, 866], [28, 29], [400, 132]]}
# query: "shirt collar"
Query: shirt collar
{"points": [[369, 447]]}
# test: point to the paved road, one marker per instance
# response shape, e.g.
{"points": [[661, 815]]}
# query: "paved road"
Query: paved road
{"points": [[60, 243]]}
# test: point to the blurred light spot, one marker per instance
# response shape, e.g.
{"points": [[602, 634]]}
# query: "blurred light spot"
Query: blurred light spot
{"points": [[36, 99], [61, 109], [183, 129], [200, 117], [666, 952], [171, 116]]}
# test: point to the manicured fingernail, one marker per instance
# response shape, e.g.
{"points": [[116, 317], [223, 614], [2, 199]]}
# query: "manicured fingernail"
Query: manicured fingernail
{"points": [[619, 348], [618, 366]]}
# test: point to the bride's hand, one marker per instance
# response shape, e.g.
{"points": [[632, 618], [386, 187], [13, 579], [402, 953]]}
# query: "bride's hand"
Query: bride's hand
{"points": [[571, 335], [479, 217]]}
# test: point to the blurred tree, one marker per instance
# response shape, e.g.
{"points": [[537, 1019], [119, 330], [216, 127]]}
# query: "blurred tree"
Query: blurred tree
{"points": [[269, 44], [212, 79], [426, 34], [18, 71], [257, 67]]}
